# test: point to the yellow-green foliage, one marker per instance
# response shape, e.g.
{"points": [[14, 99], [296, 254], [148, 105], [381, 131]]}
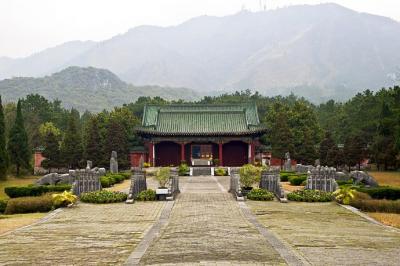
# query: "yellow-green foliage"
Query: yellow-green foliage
{"points": [[64, 199], [249, 174], [146, 165], [344, 195], [163, 175]]}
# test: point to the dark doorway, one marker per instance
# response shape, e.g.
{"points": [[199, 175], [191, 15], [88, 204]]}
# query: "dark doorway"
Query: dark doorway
{"points": [[167, 153], [235, 153]]}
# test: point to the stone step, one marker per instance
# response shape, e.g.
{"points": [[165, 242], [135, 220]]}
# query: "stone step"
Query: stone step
{"points": [[201, 171]]}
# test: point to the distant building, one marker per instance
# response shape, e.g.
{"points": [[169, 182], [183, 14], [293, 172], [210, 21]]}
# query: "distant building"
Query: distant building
{"points": [[198, 134]]}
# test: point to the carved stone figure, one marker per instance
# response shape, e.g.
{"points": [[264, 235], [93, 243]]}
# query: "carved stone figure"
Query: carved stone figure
{"points": [[113, 162]]}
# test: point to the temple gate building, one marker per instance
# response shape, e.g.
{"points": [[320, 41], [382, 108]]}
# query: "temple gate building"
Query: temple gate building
{"points": [[198, 134]]}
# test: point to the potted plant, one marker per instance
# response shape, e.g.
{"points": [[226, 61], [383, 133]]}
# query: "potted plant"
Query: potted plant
{"points": [[162, 177], [249, 174]]}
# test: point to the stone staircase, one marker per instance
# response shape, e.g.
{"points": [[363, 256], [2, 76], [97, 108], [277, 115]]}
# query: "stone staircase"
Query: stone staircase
{"points": [[201, 171]]}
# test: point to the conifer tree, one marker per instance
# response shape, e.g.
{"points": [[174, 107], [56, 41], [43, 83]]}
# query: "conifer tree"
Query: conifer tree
{"points": [[93, 149], [327, 148], [281, 136], [3, 151], [117, 140], [307, 152], [71, 147], [51, 151], [18, 147], [353, 151]]}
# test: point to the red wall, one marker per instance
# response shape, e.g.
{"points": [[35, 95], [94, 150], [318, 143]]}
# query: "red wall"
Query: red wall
{"points": [[38, 158], [135, 158], [278, 162]]}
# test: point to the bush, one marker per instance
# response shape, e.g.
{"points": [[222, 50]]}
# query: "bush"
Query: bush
{"points": [[390, 193], [220, 171], [126, 175], [103, 196], [3, 205], [105, 181], [310, 196], [146, 165], [285, 175], [260, 194], [146, 195], [42, 203], [183, 169], [297, 180], [64, 199], [373, 205], [344, 195], [111, 179], [162, 176], [249, 174], [32, 190], [344, 183]]}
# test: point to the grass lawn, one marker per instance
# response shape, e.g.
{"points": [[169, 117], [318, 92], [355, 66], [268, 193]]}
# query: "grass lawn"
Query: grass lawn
{"points": [[386, 178], [13, 181], [392, 219], [11, 222]]}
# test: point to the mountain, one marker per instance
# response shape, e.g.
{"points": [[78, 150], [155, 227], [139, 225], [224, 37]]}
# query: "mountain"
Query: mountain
{"points": [[318, 51], [88, 88]]}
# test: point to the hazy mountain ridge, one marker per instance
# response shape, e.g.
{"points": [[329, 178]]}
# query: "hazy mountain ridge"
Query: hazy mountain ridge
{"points": [[88, 88], [319, 51]]}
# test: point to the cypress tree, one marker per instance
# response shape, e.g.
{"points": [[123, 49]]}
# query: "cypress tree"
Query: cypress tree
{"points": [[71, 147], [117, 140], [3, 151], [327, 154], [93, 149], [307, 152], [51, 151], [281, 137], [18, 147]]}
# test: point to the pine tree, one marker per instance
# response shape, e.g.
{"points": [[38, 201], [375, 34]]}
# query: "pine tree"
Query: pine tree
{"points": [[307, 152], [71, 147], [51, 151], [327, 147], [281, 136], [18, 147], [93, 149], [117, 140], [3, 151], [353, 151]]}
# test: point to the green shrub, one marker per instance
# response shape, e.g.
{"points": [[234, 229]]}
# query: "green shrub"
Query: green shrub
{"points": [[260, 194], [390, 193], [220, 171], [42, 203], [146, 195], [3, 205], [249, 174], [126, 174], [163, 175], [344, 183], [103, 196], [344, 195], [105, 181], [284, 177], [374, 205], [310, 196], [183, 169], [32, 190], [297, 180]]}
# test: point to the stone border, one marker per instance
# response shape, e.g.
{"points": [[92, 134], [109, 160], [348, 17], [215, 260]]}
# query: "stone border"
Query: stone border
{"points": [[285, 251], [154, 231], [49, 215], [368, 218]]}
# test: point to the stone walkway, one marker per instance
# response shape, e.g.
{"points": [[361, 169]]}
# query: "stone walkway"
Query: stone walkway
{"points": [[207, 226], [88, 234]]}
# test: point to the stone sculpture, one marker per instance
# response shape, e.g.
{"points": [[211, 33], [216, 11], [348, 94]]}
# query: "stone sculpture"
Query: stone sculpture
{"points": [[113, 162]]}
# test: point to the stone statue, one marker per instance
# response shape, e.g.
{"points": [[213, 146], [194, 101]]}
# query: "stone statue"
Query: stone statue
{"points": [[288, 162], [113, 162], [89, 165]]}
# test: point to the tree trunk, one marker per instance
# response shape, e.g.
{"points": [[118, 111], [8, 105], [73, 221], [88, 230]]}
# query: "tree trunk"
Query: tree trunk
{"points": [[17, 166]]}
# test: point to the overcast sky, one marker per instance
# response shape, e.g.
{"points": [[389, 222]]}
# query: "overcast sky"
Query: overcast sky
{"points": [[29, 26]]}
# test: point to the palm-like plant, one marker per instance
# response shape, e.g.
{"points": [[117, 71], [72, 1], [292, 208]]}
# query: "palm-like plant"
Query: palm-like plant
{"points": [[344, 195]]}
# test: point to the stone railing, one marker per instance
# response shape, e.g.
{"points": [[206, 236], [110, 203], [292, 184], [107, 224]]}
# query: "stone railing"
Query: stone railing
{"points": [[85, 180], [138, 184], [322, 178], [271, 181]]}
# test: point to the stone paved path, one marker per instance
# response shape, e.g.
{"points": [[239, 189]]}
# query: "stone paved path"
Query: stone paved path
{"points": [[88, 234], [206, 226]]}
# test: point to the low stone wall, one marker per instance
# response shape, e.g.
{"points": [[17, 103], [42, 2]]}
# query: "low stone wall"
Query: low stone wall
{"points": [[271, 181], [322, 178], [85, 181]]}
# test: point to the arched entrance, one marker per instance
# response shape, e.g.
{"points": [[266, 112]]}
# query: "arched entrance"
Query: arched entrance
{"points": [[167, 153], [235, 153]]}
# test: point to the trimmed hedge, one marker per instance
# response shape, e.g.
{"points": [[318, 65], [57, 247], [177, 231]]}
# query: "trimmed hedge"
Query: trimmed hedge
{"points": [[260, 194], [103, 196], [374, 205], [111, 179], [219, 171], [3, 205], [308, 195], [32, 191], [146, 195], [42, 203], [297, 180], [390, 193]]}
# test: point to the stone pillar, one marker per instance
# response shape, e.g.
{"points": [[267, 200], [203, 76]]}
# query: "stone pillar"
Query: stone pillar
{"points": [[220, 158], [182, 152]]}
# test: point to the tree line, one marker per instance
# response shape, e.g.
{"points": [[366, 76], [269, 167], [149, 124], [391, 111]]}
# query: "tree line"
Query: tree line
{"points": [[338, 134]]}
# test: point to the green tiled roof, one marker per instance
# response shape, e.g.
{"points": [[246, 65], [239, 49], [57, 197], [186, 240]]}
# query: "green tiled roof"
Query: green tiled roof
{"points": [[196, 119]]}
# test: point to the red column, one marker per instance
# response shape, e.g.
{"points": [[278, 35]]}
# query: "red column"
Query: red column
{"points": [[252, 152], [182, 152], [221, 162], [151, 155]]}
